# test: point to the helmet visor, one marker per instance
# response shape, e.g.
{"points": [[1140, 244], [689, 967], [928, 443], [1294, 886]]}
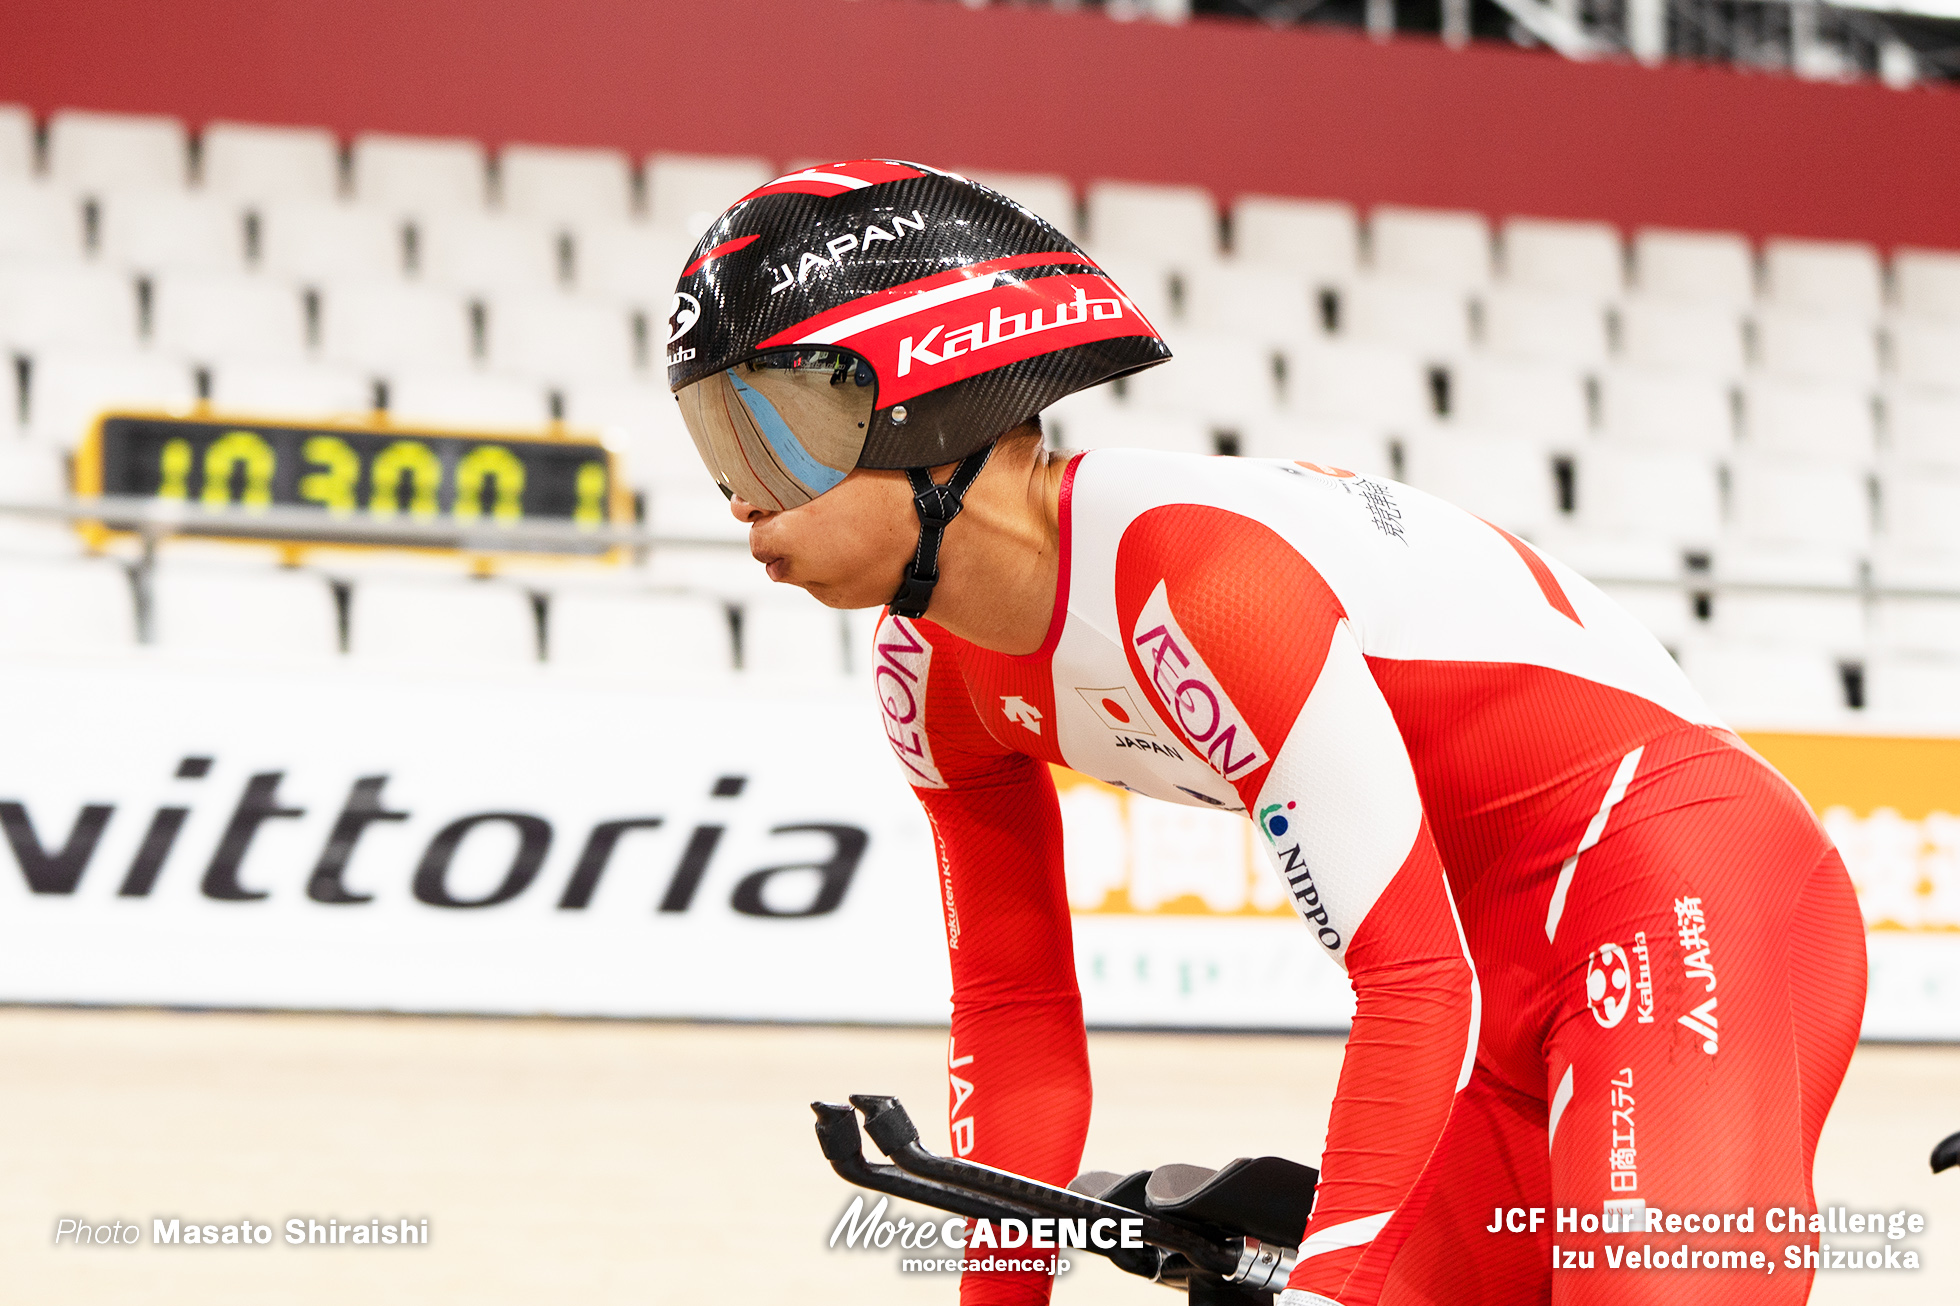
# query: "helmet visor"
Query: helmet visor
{"points": [[781, 428]]}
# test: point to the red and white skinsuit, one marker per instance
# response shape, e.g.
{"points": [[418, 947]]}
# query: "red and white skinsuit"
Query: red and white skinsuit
{"points": [[1603, 956]]}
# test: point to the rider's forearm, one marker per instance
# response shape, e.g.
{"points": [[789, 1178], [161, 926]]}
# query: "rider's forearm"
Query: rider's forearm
{"points": [[1409, 1052]]}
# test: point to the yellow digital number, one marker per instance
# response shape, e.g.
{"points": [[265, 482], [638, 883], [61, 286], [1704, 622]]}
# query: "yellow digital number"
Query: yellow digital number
{"points": [[333, 486], [490, 461], [424, 471], [591, 510], [175, 466], [238, 449]]}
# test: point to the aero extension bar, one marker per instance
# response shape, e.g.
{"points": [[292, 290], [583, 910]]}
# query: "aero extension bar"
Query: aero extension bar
{"points": [[1179, 1252]]}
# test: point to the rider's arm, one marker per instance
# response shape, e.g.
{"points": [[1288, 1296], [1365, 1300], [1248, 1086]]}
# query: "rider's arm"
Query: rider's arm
{"points": [[1018, 1062], [1321, 766]]}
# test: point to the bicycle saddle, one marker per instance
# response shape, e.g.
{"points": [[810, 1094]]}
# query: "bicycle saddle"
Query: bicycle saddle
{"points": [[1267, 1197]]}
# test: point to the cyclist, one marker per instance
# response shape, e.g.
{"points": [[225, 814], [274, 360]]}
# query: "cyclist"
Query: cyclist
{"points": [[1603, 957]]}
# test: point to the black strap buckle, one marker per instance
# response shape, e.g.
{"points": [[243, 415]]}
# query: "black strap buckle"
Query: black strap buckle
{"points": [[936, 505]]}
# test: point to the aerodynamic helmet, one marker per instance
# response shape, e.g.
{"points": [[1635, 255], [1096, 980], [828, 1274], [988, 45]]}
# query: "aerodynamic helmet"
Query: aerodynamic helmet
{"points": [[884, 314]]}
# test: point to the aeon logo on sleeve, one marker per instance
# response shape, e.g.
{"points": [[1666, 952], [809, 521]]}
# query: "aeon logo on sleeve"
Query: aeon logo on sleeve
{"points": [[1607, 984], [1191, 694], [904, 668]]}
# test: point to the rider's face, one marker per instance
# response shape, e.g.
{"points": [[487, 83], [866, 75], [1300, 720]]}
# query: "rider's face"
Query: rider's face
{"points": [[847, 547]]}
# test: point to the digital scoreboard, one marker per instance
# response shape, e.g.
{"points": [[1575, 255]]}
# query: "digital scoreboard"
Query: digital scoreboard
{"points": [[359, 475]]}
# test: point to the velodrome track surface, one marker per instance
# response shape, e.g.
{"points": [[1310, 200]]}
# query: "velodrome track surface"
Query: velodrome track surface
{"points": [[599, 1162]]}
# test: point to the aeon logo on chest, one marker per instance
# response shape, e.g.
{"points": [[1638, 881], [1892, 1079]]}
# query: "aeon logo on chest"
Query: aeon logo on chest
{"points": [[1191, 693]]}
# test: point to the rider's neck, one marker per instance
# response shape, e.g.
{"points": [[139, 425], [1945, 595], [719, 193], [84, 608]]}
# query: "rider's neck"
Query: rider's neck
{"points": [[1001, 560]]}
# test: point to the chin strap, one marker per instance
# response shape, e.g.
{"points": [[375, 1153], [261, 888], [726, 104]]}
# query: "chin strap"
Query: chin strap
{"points": [[937, 505]]}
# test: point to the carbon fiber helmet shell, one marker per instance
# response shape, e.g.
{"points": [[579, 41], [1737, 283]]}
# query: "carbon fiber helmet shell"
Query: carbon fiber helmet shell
{"points": [[973, 312]]}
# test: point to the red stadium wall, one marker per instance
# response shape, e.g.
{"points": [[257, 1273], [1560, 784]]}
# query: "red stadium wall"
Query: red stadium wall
{"points": [[1231, 105]]}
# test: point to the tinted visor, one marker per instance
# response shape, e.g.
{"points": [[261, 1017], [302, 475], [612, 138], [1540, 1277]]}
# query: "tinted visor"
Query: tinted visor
{"points": [[781, 428]]}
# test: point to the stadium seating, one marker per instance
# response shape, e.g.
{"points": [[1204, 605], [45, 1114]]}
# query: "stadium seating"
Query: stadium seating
{"points": [[1583, 259], [1505, 480], [148, 231], [1318, 238], [1824, 276], [1926, 352], [1746, 682], [419, 622], [1175, 225], [255, 387], [262, 613], [91, 151], [1734, 439], [1267, 304], [1546, 326], [1922, 426], [45, 302], [1670, 334], [387, 324], [1928, 282], [66, 388], [1661, 409], [256, 165], [66, 607], [1363, 383], [17, 150], [1430, 320], [1817, 346], [204, 317], [629, 262], [786, 633], [1444, 247], [39, 220], [466, 399], [1540, 401], [562, 187], [1696, 267], [687, 192], [557, 337], [316, 241], [419, 176], [482, 254], [640, 636]]}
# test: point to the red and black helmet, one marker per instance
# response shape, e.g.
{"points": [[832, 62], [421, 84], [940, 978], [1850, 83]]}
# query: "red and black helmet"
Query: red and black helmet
{"points": [[884, 314], [963, 314]]}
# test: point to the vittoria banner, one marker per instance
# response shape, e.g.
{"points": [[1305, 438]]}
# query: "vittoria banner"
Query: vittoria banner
{"points": [[215, 835]]}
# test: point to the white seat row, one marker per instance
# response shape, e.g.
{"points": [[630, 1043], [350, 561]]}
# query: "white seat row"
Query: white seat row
{"points": [[1175, 226], [1777, 495], [1577, 330], [374, 326], [404, 175], [1777, 661], [84, 604], [1227, 382], [148, 233], [423, 177], [1759, 684]]}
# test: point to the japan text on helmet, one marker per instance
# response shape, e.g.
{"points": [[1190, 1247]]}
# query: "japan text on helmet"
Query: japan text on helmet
{"points": [[883, 314]]}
